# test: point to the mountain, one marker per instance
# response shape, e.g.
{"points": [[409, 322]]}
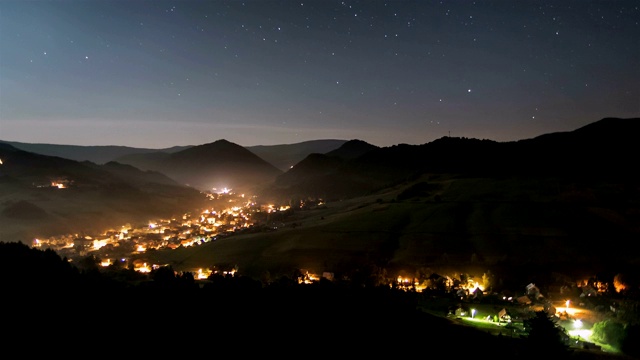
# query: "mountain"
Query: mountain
{"points": [[309, 177], [186, 171], [281, 156], [220, 164], [603, 149], [352, 149], [287, 155], [42, 196], [95, 154]]}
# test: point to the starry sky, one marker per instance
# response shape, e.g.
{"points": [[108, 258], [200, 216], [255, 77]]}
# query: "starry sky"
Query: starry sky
{"points": [[155, 74]]}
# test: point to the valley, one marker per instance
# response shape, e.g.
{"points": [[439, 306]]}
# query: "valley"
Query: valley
{"points": [[474, 223]]}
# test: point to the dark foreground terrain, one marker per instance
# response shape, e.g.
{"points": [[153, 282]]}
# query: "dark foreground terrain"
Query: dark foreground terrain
{"points": [[53, 307]]}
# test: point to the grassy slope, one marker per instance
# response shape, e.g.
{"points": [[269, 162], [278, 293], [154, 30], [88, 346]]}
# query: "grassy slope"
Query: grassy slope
{"points": [[541, 221]]}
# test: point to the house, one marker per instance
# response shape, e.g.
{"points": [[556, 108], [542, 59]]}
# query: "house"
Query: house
{"points": [[503, 315], [477, 293]]}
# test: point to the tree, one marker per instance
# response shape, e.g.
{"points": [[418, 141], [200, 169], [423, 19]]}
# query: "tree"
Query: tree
{"points": [[164, 276], [89, 263], [609, 332], [545, 337]]}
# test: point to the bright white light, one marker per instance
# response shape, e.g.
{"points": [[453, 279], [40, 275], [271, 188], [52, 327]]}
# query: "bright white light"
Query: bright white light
{"points": [[577, 324]]}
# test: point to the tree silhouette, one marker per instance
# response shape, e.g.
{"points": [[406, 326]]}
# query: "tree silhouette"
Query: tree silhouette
{"points": [[545, 337], [630, 344], [164, 276], [88, 263]]}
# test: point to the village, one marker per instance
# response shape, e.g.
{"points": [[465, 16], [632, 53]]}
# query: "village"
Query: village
{"points": [[230, 213]]}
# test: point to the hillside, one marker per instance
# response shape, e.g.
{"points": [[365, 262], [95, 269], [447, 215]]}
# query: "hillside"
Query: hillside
{"points": [[314, 176], [217, 165], [602, 150], [42, 196], [516, 227], [285, 156]]}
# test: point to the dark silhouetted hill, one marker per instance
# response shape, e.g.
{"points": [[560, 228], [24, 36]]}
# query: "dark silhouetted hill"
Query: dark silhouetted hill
{"points": [[352, 149], [603, 149], [43, 196], [287, 155], [143, 161], [282, 156], [220, 164], [306, 178], [135, 175]]}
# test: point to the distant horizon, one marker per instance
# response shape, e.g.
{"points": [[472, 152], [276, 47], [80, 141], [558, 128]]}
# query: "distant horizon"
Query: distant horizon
{"points": [[299, 142], [39, 139]]}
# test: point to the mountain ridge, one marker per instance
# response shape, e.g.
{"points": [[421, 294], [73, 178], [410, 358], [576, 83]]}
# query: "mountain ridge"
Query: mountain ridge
{"points": [[283, 156], [604, 148]]}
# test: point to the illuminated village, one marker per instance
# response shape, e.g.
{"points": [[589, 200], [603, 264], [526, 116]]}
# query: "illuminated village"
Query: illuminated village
{"points": [[232, 213]]}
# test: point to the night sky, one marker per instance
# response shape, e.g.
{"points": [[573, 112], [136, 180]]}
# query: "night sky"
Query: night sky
{"points": [[155, 74]]}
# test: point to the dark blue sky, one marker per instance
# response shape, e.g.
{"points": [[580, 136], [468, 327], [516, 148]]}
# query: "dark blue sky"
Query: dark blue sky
{"points": [[162, 73]]}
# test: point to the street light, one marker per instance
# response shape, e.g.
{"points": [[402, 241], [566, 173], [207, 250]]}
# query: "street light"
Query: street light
{"points": [[473, 312]]}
